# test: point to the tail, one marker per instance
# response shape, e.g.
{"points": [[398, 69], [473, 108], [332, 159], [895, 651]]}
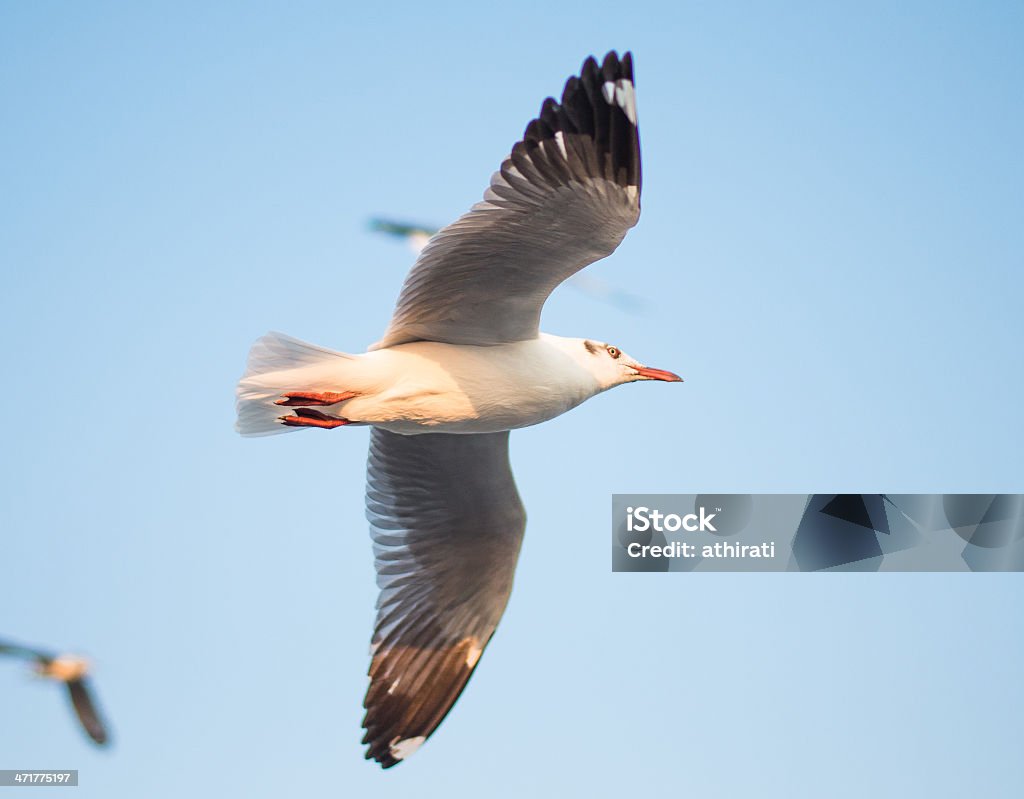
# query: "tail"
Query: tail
{"points": [[278, 364]]}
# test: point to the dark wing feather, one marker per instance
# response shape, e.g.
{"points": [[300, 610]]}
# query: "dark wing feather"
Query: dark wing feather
{"points": [[85, 708]]}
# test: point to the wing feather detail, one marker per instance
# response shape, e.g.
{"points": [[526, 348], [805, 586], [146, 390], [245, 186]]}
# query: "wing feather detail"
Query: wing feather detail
{"points": [[447, 523], [564, 198]]}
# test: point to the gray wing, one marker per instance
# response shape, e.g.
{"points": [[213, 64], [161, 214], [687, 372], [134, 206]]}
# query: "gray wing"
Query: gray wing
{"points": [[564, 198], [25, 652], [447, 523]]}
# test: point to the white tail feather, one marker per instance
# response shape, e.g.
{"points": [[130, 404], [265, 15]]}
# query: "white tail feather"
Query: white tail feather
{"points": [[278, 364]]}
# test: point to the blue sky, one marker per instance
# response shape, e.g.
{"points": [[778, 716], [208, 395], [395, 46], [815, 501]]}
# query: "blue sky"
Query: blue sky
{"points": [[831, 249]]}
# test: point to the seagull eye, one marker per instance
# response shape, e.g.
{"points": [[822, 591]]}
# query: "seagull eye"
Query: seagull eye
{"points": [[613, 351]]}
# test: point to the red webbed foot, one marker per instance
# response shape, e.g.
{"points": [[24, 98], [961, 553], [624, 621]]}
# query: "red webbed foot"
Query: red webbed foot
{"points": [[307, 417], [293, 398]]}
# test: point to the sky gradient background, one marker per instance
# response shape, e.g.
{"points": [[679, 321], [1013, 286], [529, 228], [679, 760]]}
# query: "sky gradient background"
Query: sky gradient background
{"points": [[831, 251]]}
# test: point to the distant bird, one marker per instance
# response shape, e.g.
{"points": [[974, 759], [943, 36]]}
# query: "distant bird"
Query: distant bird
{"points": [[71, 670], [461, 364], [418, 236]]}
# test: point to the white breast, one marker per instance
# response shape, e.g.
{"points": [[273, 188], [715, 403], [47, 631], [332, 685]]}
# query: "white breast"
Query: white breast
{"points": [[432, 387]]}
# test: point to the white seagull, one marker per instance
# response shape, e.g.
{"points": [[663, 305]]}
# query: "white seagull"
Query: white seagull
{"points": [[462, 363]]}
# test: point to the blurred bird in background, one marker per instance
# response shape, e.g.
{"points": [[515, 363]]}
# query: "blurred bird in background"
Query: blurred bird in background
{"points": [[417, 236], [71, 670]]}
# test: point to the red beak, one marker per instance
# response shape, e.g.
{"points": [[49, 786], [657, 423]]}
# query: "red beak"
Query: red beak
{"points": [[658, 374]]}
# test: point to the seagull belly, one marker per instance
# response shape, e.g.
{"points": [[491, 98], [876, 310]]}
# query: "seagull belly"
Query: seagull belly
{"points": [[429, 387]]}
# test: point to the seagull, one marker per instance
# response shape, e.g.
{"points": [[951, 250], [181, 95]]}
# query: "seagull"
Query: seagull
{"points": [[417, 236], [462, 363], [71, 670]]}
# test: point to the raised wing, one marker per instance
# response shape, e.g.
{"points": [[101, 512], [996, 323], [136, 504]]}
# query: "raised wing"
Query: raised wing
{"points": [[447, 523], [563, 199]]}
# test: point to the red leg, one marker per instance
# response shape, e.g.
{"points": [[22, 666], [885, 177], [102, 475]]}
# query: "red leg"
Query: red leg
{"points": [[307, 417], [293, 398]]}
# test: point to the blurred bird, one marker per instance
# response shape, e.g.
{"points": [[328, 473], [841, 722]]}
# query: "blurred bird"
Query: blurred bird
{"points": [[71, 670], [418, 236], [462, 363]]}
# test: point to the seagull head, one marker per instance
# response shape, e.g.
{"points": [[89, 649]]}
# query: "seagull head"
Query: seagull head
{"points": [[612, 367]]}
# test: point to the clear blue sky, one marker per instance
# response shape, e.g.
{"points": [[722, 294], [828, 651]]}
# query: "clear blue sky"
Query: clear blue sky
{"points": [[831, 246]]}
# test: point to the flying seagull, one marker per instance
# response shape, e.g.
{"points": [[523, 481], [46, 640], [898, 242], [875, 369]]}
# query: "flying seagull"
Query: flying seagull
{"points": [[462, 363], [418, 236], [71, 670]]}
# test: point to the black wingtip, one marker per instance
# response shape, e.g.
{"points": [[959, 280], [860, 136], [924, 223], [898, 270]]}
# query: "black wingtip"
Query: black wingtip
{"points": [[610, 66], [589, 66], [597, 106], [381, 757], [627, 65]]}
